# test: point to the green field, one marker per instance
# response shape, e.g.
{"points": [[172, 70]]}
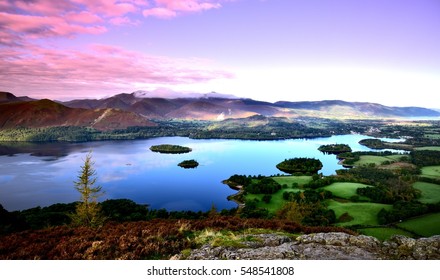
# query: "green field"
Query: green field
{"points": [[432, 136], [345, 190], [384, 233], [429, 148], [277, 200], [275, 203], [289, 180], [431, 171], [363, 213], [377, 160], [430, 192], [427, 225]]}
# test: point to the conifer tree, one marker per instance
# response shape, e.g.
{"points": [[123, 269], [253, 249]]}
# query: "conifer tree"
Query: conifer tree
{"points": [[88, 211]]}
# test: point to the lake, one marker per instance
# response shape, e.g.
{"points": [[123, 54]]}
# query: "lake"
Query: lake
{"points": [[41, 174]]}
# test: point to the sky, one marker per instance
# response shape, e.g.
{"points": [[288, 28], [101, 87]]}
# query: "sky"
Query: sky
{"points": [[382, 51]]}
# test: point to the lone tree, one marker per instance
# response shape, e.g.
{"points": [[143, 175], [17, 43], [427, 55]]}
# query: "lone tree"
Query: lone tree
{"points": [[88, 211]]}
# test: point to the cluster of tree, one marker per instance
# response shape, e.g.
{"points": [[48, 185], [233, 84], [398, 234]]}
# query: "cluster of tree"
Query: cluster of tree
{"points": [[406, 209], [238, 180], [307, 196], [425, 157], [378, 144], [399, 191], [311, 214], [307, 166], [321, 182], [251, 210], [266, 185], [388, 186], [189, 163], [335, 148], [351, 157], [374, 143], [170, 149], [62, 133], [429, 180]]}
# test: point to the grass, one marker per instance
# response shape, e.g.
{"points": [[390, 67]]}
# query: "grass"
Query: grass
{"points": [[431, 171], [277, 200], [428, 148], [430, 192], [275, 203], [427, 225], [345, 190], [432, 136], [363, 213], [377, 160], [384, 233], [289, 180]]}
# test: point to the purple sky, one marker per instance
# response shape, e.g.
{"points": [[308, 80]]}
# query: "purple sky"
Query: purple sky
{"points": [[384, 51]]}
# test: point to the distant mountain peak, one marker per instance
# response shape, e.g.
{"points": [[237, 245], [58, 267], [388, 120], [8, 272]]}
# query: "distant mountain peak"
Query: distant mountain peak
{"points": [[170, 94]]}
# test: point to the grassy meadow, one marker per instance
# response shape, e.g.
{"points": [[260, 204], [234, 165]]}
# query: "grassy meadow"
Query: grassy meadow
{"points": [[345, 190], [277, 200], [431, 171], [426, 225], [430, 192], [363, 213], [377, 160]]}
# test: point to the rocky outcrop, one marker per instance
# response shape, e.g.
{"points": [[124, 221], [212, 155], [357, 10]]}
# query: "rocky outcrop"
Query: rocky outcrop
{"points": [[320, 246]]}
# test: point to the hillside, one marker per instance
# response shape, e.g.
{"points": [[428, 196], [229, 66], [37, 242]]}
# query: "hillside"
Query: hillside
{"points": [[47, 113]]}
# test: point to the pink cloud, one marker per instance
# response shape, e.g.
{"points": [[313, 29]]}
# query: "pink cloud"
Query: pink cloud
{"points": [[160, 13], [123, 21], [172, 8], [44, 71], [83, 17], [44, 26], [189, 5], [110, 8], [44, 7], [100, 68]]}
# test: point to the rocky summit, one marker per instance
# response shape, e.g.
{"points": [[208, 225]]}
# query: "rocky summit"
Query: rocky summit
{"points": [[320, 246]]}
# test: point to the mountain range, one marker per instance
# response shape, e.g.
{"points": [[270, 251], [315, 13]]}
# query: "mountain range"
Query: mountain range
{"points": [[138, 108]]}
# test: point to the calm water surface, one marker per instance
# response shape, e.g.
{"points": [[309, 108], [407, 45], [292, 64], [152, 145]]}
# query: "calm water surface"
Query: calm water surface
{"points": [[43, 174]]}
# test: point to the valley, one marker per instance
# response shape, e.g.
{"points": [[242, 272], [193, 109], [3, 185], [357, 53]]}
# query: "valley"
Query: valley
{"points": [[356, 167]]}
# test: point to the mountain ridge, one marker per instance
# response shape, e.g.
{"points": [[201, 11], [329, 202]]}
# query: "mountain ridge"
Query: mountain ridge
{"points": [[133, 109], [242, 107]]}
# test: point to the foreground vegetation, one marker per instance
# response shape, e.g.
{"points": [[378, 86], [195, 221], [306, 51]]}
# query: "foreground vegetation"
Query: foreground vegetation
{"points": [[155, 239]]}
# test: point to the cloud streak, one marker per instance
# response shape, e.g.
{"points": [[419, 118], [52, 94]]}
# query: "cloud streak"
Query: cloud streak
{"points": [[97, 69], [172, 8], [31, 66]]}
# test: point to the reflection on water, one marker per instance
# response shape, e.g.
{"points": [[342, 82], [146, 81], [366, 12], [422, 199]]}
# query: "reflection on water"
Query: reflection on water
{"points": [[40, 174]]}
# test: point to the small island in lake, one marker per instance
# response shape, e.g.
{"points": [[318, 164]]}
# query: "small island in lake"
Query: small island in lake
{"points": [[300, 166], [188, 164], [170, 149], [335, 148]]}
